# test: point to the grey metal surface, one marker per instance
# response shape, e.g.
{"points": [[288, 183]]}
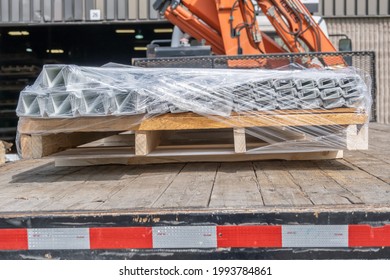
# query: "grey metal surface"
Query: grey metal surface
{"points": [[369, 34], [341, 8], [110, 11], [66, 11], [185, 237], [47, 11], [58, 10], [310, 236], [58, 238], [15, 11], [35, 8], [4, 10], [61, 11], [26, 10], [122, 9]]}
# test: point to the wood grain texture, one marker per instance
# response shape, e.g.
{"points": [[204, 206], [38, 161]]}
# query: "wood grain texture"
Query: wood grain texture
{"points": [[26, 146], [191, 188], [193, 121], [357, 137], [368, 188], [38, 146], [186, 121], [126, 155], [146, 142], [143, 191], [84, 124], [277, 185], [236, 186], [239, 140], [359, 182], [320, 188], [2, 153]]}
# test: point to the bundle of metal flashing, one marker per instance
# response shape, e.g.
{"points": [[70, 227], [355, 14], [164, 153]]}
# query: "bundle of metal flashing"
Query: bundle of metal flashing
{"points": [[63, 91]]}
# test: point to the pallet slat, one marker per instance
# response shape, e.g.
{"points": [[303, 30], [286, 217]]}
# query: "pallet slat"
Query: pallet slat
{"points": [[184, 121]]}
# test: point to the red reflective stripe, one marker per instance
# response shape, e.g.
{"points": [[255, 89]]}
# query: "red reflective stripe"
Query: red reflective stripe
{"points": [[249, 236], [121, 238], [367, 236], [13, 239]]}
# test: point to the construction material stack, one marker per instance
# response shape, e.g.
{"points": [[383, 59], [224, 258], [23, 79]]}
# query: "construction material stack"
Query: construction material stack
{"points": [[267, 112]]}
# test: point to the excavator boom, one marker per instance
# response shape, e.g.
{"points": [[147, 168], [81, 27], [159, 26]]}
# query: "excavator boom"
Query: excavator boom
{"points": [[230, 26]]}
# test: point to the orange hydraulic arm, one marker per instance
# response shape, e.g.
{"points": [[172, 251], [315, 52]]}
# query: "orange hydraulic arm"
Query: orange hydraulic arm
{"points": [[292, 21], [230, 26]]}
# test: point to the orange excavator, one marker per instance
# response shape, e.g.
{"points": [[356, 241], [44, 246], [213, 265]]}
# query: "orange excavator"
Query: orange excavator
{"points": [[230, 26]]}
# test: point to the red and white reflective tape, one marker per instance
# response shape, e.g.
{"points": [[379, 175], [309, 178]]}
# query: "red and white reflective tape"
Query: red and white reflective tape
{"points": [[179, 237]]}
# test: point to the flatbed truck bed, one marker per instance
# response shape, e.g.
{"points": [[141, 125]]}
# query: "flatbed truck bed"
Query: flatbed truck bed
{"points": [[265, 209]]}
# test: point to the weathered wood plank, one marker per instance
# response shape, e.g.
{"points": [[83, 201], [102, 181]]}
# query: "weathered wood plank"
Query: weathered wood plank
{"points": [[380, 127], [145, 189], [30, 191], [363, 185], [9, 170], [236, 186], [377, 166], [277, 185], [90, 193], [191, 188], [319, 187]]}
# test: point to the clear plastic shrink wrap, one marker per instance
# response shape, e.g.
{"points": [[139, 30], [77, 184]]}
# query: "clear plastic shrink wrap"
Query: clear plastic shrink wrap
{"points": [[68, 91]]}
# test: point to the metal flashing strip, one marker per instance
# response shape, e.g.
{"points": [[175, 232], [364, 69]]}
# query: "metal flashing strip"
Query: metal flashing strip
{"points": [[196, 237], [58, 238], [184, 237]]}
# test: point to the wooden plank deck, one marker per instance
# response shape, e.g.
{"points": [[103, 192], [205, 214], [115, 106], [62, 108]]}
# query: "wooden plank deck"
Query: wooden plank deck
{"points": [[361, 179]]}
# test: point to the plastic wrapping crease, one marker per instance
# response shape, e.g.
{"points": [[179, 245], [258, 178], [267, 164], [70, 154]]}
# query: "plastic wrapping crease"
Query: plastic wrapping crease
{"points": [[69, 91]]}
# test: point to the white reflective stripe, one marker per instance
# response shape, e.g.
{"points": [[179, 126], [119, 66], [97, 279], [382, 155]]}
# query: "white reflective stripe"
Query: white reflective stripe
{"points": [[185, 237], [310, 236], [58, 238]]}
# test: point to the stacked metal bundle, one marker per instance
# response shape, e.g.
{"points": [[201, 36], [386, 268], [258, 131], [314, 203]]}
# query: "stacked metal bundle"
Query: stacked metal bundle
{"points": [[306, 93], [71, 91]]}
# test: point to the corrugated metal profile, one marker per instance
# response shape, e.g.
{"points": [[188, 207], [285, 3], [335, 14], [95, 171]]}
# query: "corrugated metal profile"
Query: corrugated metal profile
{"points": [[354, 8], [370, 34], [15, 12]]}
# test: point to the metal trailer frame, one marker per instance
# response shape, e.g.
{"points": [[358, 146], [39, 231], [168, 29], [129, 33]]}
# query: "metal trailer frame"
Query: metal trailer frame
{"points": [[313, 234]]}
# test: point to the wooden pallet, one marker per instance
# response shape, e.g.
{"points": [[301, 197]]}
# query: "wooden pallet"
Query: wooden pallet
{"points": [[170, 137]]}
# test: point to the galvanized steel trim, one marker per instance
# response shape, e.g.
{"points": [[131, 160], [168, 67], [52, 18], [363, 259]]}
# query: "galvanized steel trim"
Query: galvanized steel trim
{"points": [[312, 236], [184, 237], [58, 238]]}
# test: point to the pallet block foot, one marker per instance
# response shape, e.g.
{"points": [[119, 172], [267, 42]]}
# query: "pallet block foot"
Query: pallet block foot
{"points": [[357, 137], [146, 141], [2, 152], [239, 140]]}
